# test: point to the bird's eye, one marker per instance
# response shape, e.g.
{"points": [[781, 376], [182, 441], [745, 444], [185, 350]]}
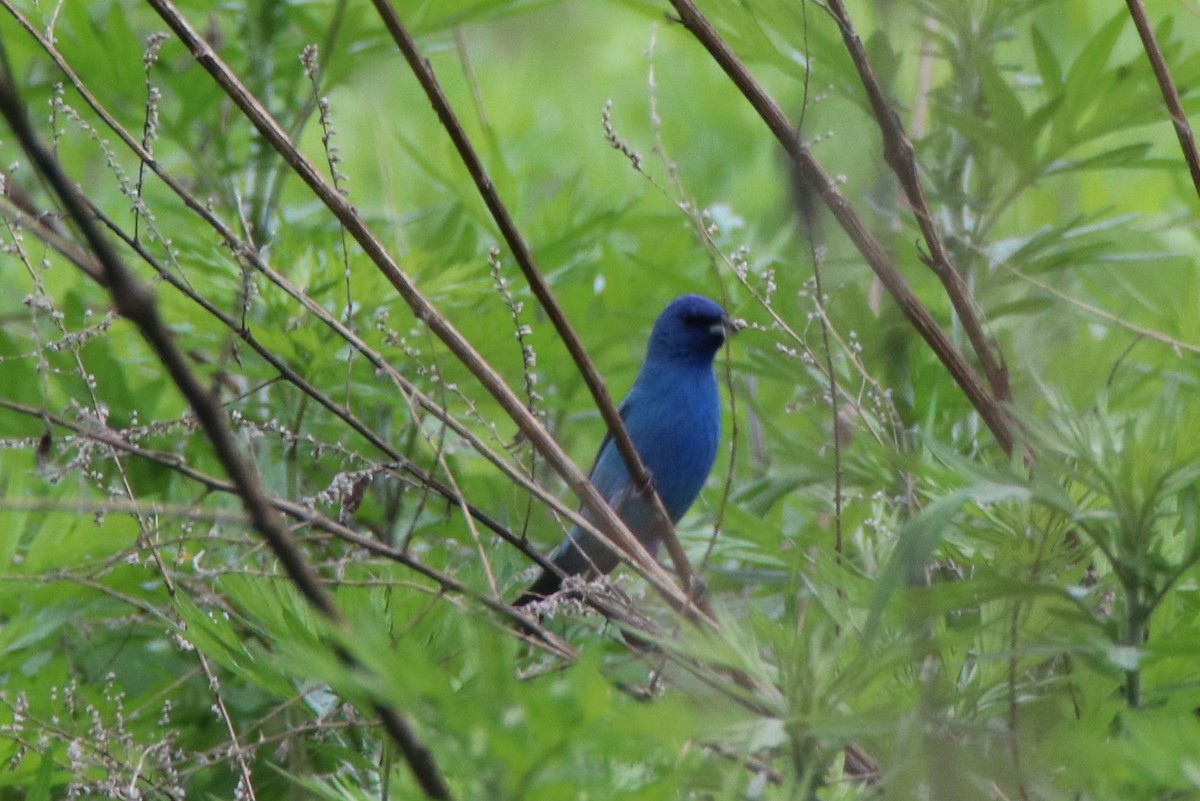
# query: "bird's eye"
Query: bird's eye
{"points": [[698, 320]]}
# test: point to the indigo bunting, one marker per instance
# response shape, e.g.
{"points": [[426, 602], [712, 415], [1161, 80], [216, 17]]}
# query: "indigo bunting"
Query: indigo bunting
{"points": [[673, 415]]}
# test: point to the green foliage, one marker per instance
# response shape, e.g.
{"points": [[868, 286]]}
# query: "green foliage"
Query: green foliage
{"points": [[979, 625]]}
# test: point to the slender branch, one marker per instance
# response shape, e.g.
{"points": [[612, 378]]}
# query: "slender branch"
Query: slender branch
{"points": [[1183, 130], [300, 120], [32, 221], [836, 423], [642, 479], [135, 301], [899, 154], [694, 217], [989, 408], [607, 525]]}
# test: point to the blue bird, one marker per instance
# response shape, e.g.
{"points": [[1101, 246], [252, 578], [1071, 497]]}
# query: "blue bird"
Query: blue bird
{"points": [[673, 415]]}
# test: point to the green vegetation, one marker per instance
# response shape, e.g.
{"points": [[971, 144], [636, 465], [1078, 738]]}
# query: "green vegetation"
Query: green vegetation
{"points": [[903, 609]]}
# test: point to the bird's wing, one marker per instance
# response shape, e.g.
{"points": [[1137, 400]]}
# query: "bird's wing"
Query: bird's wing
{"points": [[607, 444]]}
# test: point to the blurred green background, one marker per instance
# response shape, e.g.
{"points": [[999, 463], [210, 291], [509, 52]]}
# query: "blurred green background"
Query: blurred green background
{"points": [[982, 626]]}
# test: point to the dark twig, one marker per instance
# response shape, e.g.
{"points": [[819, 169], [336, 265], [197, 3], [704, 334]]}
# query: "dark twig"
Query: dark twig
{"points": [[898, 152], [642, 479], [837, 424], [332, 29], [34, 222], [989, 407], [1187, 139], [134, 301], [694, 217]]}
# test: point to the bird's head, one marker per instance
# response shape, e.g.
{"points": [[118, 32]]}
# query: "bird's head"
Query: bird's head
{"points": [[691, 329]]}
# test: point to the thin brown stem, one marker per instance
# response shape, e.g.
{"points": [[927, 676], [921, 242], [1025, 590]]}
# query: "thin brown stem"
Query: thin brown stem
{"points": [[836, 428], [1183, 130], [817, 254]]}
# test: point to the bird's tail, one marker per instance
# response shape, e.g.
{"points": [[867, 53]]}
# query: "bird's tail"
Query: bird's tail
{"points": [[546, 585], [578, 554]]}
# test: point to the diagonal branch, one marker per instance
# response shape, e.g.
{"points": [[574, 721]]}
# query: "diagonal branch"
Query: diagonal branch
{"points": [[988, 406], [1183, 130], [135, 301], [898, 152], [525, 259]]}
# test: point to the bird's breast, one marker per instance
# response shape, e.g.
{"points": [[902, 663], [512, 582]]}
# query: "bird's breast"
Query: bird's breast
{"points": [[677, 431]]}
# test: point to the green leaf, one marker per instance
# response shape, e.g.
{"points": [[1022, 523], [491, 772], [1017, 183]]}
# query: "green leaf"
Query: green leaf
{"points": [[1083, 86], [39, 790], [1125, 156], [1008, 115], [916, 542], [1048, 64]]}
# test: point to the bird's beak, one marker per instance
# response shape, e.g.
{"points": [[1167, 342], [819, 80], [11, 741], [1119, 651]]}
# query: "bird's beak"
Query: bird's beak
{"points": [[726, 327]]}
